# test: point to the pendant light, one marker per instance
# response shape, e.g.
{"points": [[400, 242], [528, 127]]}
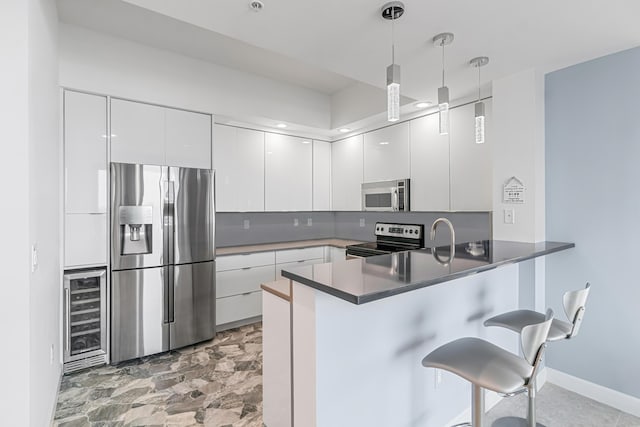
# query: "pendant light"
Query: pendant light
{"points": [[392, 11], [442, 40], [478, 62]]}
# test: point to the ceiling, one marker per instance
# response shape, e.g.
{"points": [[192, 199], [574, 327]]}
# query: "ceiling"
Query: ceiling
{"points": [[330, 45]]}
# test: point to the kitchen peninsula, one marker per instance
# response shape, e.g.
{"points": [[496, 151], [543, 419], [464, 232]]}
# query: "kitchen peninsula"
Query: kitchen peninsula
{"points": [[359, 328]]}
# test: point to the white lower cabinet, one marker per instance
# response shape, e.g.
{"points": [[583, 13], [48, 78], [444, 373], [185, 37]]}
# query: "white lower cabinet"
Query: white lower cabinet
{"points": [[238, 279], [232, 310], [334, 254]]}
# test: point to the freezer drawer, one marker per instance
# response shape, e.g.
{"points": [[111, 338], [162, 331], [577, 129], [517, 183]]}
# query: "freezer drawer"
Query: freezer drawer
{"points": [[194, 304], [138, 311]]}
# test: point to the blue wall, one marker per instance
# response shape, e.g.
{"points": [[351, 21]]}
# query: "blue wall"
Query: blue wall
{"points": [[593, 199]]}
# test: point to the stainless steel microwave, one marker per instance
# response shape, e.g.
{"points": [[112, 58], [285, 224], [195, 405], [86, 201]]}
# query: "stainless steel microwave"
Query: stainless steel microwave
{"points": [[386, 196]]}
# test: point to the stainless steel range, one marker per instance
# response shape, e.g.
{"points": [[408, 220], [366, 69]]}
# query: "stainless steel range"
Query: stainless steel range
{"points": [[390, 238]]}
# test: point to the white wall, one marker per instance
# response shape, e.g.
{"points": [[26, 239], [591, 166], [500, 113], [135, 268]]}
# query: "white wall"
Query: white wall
{"points": [[14, 250], [100, 63], [44, 209], [518, 150], [30, 212]]}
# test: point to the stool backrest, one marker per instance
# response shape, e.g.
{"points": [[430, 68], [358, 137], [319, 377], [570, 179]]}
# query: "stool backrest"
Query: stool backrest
{"points": [[533, 338], [574, 306]]}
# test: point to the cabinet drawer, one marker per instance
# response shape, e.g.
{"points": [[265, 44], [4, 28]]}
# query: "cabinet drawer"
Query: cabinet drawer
{"points": [[238, 307], [290, 265], [236, 262], [292, 255], [236, 282]]}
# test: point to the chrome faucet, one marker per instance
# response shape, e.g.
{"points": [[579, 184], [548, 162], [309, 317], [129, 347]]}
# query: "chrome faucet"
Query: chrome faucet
{"points": [[432, 234]]}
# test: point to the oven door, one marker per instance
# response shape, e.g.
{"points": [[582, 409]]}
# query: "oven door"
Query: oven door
{"points": [[379, 196]]}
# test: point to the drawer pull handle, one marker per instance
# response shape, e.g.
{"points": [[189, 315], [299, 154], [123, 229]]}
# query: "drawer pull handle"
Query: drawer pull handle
{"points": [[247, 293], [302, 260], [246, 268]]}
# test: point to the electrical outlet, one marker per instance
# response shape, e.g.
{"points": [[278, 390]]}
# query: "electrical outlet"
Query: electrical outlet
{"points": [[51, 355], [34, 257], [246, 224], [438, 377], [509, 216], [296, 222], [309, 222], [361, 222]]}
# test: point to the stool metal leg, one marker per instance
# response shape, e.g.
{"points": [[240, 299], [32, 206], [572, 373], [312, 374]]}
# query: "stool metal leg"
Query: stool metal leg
{"points": [[530, 421], [477, 405]]}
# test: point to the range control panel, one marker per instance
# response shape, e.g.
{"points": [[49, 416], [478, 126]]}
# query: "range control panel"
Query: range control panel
{"points": [[412, 231]]}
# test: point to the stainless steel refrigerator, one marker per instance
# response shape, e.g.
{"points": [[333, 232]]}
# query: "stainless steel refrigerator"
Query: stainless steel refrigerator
{"points": [[162, 258]]}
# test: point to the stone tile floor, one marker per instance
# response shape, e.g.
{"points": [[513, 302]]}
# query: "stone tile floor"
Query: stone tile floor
{"points": [[215, 383], [219, 384]]}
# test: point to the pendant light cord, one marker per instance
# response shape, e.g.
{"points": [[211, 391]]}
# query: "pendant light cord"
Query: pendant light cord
{"points": [[478, 81], [442, 44], [393, 35]]}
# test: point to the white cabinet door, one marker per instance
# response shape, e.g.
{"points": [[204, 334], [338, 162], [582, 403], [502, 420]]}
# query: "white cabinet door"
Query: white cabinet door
{"points": [[288, 173], [321, 176], [429, 165], [471, 167], [85, 153], [386, 153], [346, 174], [85, 240], [239, 163], [188, 139], [138, 133]]}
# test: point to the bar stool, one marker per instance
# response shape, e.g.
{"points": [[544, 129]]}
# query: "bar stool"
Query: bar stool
{"points": [[488, 366], [574, 305]]}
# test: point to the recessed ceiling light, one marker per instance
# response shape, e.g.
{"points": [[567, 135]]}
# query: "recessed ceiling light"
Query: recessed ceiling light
{"points": [[384, 143], [256, 5], [423, 104], [344, 130], [281, 125]]}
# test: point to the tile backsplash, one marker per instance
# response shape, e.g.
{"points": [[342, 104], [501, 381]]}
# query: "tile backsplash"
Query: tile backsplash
{"points": [[236, 229]]}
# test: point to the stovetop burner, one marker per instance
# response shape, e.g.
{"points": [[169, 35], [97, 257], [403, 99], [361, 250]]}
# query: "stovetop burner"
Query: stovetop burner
{"points": [[390, 238]]}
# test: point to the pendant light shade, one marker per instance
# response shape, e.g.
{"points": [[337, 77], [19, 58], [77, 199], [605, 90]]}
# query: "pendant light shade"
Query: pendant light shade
{"points": [[478, 62], [392, 11], [442, 40], [393, 92]]}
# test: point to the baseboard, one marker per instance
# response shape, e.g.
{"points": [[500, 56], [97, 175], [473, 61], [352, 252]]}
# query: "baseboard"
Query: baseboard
{"points": [[55, 402], [613, 398]]}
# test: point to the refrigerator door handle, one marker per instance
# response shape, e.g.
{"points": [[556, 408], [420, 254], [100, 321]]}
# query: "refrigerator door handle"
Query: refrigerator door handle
{"points": [[171, 293], [164, 272]]}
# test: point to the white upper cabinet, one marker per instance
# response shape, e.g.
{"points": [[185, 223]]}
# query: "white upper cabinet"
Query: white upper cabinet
{"points": [[429, 165], [149, 134], [188, 139], [288, 173], [346, 174], [85, 153], [321, 176], [386, 153], [471, 166], [239, 163], [137, 133]]}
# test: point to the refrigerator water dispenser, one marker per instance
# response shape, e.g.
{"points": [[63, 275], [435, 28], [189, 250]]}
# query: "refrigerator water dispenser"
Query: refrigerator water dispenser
{"points": [[136, 224]]}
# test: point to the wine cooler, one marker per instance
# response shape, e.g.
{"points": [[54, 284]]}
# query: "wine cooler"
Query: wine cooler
{"points": [[85, 319]]}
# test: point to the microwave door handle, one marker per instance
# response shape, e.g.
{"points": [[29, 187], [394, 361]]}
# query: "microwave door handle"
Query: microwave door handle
{"points": [[395, 200]]}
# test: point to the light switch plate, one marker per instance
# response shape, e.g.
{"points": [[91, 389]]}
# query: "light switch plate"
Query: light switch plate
{"points": [[309, 222], [246, 224], [361, 222], [296, 222], [509, 216]]}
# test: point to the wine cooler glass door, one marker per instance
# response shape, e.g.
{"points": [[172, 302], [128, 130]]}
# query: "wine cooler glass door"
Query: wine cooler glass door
{"points": [[85, 314]]}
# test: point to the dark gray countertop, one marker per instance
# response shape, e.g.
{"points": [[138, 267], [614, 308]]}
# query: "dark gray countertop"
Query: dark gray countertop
{"points": [[368, 279]]}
